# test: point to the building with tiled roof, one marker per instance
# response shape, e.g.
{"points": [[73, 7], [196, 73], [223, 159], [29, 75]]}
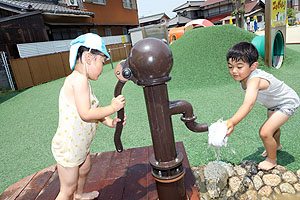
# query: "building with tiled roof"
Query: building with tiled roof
{"points": [[190, 9], [29, 21], [153, 19], [46, 7], [178, 21]]}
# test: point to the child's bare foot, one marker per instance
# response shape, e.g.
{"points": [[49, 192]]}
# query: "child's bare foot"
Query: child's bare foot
{"points": [[265, 154], [267, 164], [86, 196]]}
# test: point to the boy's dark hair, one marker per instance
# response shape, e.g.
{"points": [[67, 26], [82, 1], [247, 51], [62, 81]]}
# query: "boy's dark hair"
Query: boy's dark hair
{"points": [[83, 49], [244, 51]]}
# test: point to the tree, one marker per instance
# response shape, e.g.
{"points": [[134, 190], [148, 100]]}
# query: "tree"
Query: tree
{"points": [[291, 14], [239, 12]]}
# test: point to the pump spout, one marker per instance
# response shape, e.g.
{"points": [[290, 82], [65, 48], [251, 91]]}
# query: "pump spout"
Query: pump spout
{"points": [[188, 117]]}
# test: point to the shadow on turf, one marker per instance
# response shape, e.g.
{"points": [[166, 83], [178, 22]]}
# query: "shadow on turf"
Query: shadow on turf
{"points": [[283, 157], [9, 94]]}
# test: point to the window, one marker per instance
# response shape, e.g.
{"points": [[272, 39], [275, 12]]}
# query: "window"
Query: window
{"points": [[124, 31], [127, 4], [102, 2], [259, 18], [108, 32], [94, 30]]}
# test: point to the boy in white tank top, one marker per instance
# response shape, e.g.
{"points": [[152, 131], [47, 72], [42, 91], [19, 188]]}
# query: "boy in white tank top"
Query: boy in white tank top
{"points": [[280, 100]]}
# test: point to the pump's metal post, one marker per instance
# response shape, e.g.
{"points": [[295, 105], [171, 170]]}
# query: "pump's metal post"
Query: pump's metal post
{"points": [[148, 65], [150, 62]]}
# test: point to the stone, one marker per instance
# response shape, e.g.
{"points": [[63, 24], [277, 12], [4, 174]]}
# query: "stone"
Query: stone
{"points": [[242, 197], [264, 198], [287, 188], [260, 173], [271, 179], [298, 173], [281, 168], [289, 177], [277, 190], [252, 195], [240, 170], [287, 196], [204, 196], [258, 183], [250, 166], [215, 179], [200, 179], [247, 182], [229, 169], [229, 193], [276, 171], [265, 191], [235, 184], [297, 187]]}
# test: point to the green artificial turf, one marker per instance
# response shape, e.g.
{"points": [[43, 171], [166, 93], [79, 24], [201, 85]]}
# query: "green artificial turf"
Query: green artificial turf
{"points": [[199, 75]]}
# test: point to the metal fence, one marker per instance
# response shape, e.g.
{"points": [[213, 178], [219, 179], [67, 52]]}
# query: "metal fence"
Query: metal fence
{"points": [[6, 80]]}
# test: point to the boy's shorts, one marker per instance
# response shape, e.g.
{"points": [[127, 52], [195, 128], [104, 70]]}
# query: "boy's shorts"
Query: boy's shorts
{"points": [[286, 109]]}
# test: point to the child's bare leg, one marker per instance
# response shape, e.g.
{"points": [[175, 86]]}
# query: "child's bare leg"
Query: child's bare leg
{"points": [[276, 136], [267, 131], [68, 177], [83, 172], [277, 139]]}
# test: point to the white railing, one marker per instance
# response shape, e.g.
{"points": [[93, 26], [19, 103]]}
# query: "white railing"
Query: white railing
{"points": [[43, 48]]}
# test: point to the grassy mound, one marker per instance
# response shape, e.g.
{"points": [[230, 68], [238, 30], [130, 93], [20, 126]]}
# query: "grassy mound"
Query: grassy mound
{"points": [[200, 55]]}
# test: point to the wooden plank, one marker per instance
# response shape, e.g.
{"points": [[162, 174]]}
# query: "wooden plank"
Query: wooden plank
{"points": [[151, 190], [21, 73], [51, 189], [56, 66], [65, 60], [13, 191], [39, 69], [97, 175], [137, 172], [118, 164], [118, 176], [37, 183], [112, 189]]}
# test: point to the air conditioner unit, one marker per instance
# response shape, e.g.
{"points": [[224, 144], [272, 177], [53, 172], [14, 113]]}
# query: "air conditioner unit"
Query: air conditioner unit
{"points": [[72, 3]]}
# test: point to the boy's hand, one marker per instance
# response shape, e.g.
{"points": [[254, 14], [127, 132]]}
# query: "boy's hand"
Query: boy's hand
{"points": [[118, 103], [116, 120], [230, 127]]}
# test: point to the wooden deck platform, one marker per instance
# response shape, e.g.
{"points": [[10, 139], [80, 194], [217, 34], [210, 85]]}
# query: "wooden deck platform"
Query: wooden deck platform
{"points": [[117, 176]]}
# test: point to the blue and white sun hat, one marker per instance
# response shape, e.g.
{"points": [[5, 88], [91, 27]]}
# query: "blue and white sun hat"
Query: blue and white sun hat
{"points": [[89, 40]]}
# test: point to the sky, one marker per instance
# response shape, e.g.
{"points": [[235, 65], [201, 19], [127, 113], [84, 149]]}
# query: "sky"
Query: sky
{"points": [[152, 7]]}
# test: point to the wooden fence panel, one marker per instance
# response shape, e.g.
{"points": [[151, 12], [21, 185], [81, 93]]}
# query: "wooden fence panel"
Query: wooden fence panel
{"points": [[21, 72], [56, 66], [35, 70], [39, 69], [65, 60]]}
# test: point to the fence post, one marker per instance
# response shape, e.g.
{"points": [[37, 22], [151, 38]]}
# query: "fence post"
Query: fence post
{"points": [[112, 66], [125, 50]]}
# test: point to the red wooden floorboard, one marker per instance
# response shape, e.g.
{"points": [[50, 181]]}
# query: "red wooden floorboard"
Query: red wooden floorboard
{"points": [[117, 176]]}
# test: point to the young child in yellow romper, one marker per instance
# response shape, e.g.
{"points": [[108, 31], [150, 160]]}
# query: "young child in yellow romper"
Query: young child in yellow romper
{"points": [[280, 100], [79, 115]]}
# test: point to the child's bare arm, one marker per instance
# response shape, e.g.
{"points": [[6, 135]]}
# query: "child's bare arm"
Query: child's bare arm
{"points": [[112, 123], [82, 101], [249, 101]]}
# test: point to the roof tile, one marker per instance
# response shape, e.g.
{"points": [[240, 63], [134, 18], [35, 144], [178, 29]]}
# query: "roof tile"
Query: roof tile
{"points": [[43, 6]]}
